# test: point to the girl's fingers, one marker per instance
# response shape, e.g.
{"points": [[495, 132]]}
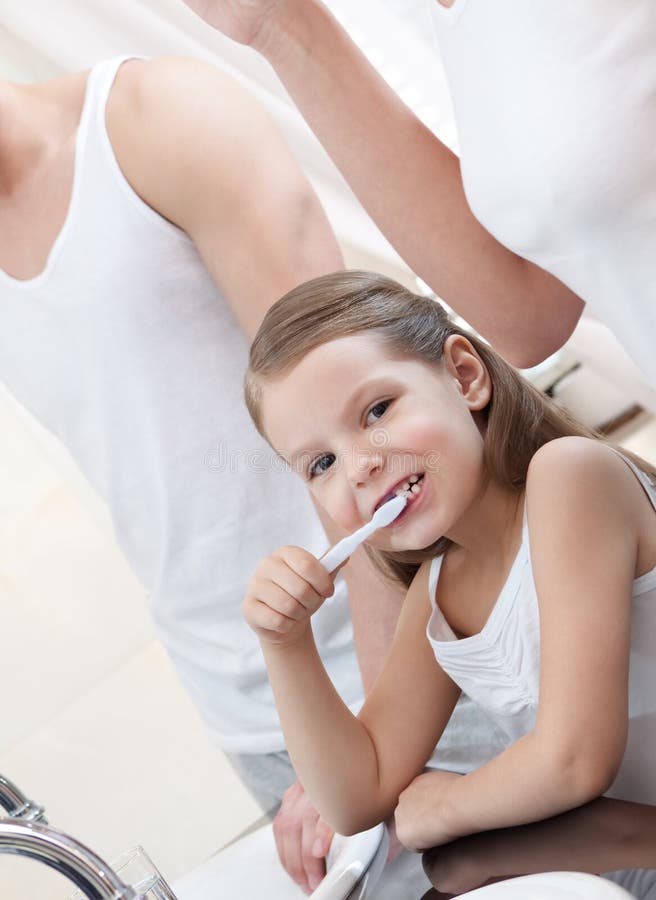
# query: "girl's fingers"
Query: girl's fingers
{"points": [[264, 618], [271, 608], [286, 589], [309, 569], [287, 595], [298, 575]]}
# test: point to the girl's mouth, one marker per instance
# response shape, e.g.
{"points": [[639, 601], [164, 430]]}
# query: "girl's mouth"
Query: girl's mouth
{"points": [[410, 489]]}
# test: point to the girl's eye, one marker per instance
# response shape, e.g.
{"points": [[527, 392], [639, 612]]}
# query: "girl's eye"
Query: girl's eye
{"points": [[377, 411], [321, 465]]}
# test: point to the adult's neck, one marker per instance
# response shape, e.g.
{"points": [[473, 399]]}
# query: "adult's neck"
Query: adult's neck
{"points": [[35, 121]]}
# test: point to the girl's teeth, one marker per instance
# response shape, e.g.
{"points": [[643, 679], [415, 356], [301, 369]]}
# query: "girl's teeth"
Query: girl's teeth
{"points": [[411, 486]]}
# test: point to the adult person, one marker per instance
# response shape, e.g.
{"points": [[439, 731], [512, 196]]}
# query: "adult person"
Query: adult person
{"points": [[143, 225], [553, 203], [150, 214]]}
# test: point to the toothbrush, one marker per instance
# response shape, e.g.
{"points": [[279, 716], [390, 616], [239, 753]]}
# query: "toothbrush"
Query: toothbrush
{"points": [[383, 516]]}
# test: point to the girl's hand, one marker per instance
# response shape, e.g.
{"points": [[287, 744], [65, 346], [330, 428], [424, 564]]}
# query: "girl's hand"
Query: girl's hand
{"points": [[420, 815], [286, 589], [245, 21]]}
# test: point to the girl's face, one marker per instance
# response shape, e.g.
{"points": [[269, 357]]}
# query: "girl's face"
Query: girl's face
{"points": [[361, 423]]}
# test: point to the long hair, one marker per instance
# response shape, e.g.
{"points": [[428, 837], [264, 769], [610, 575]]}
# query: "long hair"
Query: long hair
{"points": [[519, 419]]}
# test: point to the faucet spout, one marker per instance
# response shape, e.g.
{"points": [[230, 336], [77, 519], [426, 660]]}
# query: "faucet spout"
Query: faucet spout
{"points": [[17, 805], [59, 851]]}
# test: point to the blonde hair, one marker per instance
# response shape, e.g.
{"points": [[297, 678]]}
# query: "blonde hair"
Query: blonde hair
{"points": [[519, 419]]}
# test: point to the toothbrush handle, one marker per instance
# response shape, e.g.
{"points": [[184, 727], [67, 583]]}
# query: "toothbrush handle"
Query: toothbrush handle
{"points": [[345, 548], [338, 554]]}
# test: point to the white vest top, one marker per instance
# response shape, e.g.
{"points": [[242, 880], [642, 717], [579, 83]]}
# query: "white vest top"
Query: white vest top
{"points": [[555, 105], [499, 668], [124, 348]]}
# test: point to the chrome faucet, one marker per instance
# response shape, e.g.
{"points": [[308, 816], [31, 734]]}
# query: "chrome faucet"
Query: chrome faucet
{"points": [[17, 805], [59, 851]]}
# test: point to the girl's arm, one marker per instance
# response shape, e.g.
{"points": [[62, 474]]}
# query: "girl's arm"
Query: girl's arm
{"points": [[352, 768], [602, 836], [408, 181], [585, 510]]}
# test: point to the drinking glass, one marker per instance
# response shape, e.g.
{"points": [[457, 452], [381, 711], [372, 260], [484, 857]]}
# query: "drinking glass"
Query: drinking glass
{"points": [[135, 868]]}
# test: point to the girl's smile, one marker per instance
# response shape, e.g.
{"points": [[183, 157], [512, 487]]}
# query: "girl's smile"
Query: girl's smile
{"points": [[413, 490], [362, 423]]}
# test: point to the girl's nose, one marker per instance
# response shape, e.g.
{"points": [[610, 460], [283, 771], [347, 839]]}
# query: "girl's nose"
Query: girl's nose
{"points": [[366, 464]]}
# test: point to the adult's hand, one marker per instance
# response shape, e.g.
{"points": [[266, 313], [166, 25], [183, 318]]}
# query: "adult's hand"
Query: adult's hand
{"points": [[245, 21], [302, 839]]}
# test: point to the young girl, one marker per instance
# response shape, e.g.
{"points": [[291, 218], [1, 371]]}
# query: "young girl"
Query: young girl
{"points": [[528, 546]]}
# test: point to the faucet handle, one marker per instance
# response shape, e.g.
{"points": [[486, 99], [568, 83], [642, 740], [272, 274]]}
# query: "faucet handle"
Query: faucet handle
{"points": [[17, 804]]}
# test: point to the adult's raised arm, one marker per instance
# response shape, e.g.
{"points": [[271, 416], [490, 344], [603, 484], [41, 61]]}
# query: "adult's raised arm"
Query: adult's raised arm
{"points": [[406, 178]]}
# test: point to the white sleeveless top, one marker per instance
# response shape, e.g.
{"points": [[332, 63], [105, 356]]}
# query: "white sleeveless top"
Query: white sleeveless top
{"points": [[555, 105], [124, 348], [499, 667]]}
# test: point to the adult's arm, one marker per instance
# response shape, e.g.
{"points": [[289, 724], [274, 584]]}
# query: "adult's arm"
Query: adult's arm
{"points": [[408, 180], [201, 151]]}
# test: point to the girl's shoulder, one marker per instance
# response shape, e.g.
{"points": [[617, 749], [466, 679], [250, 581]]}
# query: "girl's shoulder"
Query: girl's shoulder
{"points": [[572, 452], [573, 467]]}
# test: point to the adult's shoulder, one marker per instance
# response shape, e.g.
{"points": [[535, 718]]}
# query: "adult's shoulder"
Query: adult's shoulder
{"points": [[171, 94], [176, 121]]}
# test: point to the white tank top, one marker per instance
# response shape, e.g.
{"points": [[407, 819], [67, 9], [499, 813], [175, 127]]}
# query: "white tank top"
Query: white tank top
{"points": [[499, 667], [124, 349], [555, 105]]}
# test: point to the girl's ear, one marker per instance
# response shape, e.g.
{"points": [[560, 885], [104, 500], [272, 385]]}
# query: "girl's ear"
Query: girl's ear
{"points": [[465, 366]]}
